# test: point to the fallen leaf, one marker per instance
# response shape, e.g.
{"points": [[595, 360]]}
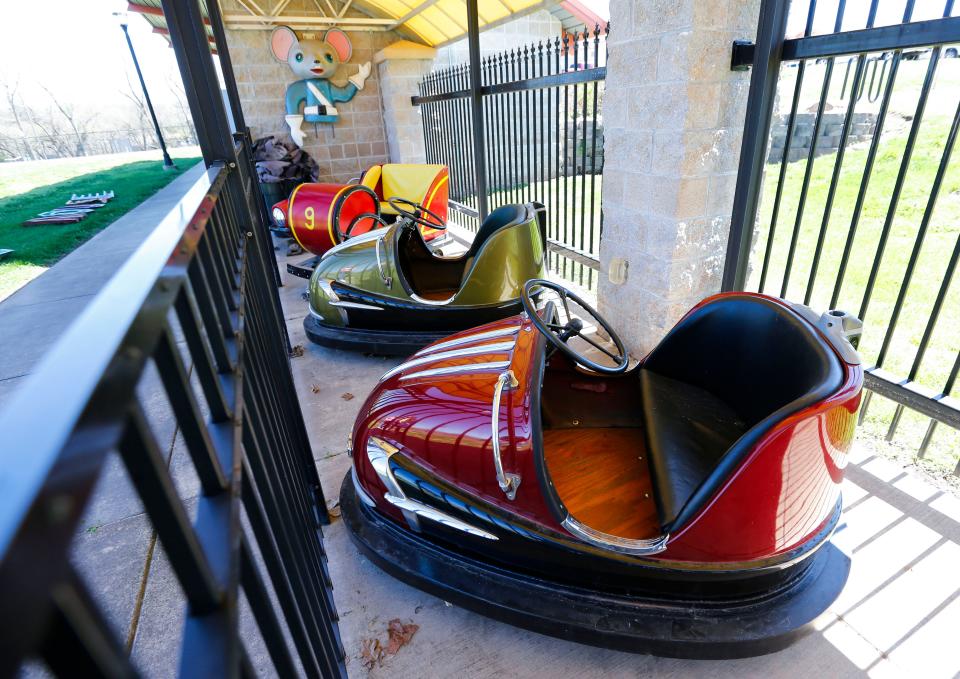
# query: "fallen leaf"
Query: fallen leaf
{"points": [[347, 396], [333, 509], [315, 388], [400, 635], [371, 653], [297, 351]]}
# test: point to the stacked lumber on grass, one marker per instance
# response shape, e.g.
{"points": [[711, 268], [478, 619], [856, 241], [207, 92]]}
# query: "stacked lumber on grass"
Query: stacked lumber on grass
{"points": [[74, 210]]}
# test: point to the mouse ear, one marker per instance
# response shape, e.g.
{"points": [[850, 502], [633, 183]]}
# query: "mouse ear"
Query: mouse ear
{"points": [[340, 42], [282, 40]]}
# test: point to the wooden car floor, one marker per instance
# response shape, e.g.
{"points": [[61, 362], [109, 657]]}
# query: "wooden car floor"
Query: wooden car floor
{"points": [[602, 477], [438, 295]]}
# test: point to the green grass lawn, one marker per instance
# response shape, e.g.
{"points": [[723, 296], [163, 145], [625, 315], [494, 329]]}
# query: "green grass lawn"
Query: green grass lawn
{"points": [[942, 236], [32, 187]]}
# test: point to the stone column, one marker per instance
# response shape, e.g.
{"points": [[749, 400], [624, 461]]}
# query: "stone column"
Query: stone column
{"points": [[673, 116], [402, 66]]}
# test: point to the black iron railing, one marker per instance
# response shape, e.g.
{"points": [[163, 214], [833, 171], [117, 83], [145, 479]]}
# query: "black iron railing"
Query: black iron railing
{"points": [[206, 274], [544, 141], [851, 221]]}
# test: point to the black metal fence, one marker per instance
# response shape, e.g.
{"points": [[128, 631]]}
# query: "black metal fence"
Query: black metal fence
{"points": [[544, 141], [196, 304], [872, 226], [204, 274]]}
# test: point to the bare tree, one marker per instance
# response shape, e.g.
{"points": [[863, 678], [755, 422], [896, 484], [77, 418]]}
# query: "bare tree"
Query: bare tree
{"points": [[77, 121], [144, 126], [176, 89]]}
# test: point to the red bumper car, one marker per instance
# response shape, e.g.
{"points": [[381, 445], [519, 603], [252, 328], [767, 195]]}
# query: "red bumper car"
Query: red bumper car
{"points": [[322, 215], [681, 507]]}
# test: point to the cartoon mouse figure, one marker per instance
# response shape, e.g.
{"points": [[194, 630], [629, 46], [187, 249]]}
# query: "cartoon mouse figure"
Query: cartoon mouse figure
{"points": [[316, 63]]}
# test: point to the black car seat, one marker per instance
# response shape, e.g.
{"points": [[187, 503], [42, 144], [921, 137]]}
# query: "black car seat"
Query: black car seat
{"points": [[722, 377], [430, 276]]}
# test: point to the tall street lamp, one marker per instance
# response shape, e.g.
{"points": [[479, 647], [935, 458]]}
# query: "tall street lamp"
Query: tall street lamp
{"points": [[167, 162]]}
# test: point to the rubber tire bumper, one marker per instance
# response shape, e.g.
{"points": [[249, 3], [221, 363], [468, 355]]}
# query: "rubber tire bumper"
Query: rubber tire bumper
{"points": [[379, 342], [733, 628]]}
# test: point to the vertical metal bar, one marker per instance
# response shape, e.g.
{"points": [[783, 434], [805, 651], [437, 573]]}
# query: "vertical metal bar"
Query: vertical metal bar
{"points": [[921, 236], [542, 157], [492, 146], [838, 162], [566, 150], [476, 104], [583, 156], [760, 106], [865, 181], [898, 184], [593, 147], [572, 198], [188, 36], [262, 609], [811, 160], [945, 282], [226, 66], [512, 99], [927, 438], [506, 184], [557, 149]]}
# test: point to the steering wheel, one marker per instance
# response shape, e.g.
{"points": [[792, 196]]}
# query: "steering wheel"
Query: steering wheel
{"points": [[435, 222], [559, 334], [344, 235]]}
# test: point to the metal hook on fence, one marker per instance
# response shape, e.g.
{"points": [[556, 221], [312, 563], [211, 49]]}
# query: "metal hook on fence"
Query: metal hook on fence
{"points": [[871, 95]]}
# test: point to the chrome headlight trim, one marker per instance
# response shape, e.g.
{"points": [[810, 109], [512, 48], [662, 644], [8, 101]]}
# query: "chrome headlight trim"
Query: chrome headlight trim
{"points": [[279, 216], [379, 453]]}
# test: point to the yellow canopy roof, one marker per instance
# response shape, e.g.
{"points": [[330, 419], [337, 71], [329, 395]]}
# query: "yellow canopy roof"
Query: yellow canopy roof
{"points": [[440, 21]]}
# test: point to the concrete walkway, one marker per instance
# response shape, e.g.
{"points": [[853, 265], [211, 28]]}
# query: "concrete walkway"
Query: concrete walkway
{"points": [[33, 318]]}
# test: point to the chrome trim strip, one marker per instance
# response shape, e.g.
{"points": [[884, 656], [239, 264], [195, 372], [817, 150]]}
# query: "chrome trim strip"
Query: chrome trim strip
{"points": [[356, 240], [356, 305], [428, 512], [614, 543], [432, 302], [457, 369], [492, 348], [332, 296], [508, 482], [379, 453], [387, 280], [361, 493], [489, 334]]}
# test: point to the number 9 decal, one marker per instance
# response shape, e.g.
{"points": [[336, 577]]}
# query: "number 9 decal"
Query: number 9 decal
{"points": [[308, 214]]}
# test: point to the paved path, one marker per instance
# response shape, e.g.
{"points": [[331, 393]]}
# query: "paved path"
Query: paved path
{"points": [[33, 318]]}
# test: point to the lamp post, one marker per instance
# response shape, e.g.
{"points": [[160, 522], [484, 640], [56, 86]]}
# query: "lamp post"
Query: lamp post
{"points": [[167, 162]]}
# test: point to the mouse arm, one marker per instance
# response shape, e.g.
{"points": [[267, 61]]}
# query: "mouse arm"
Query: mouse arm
{"points": [[359, 78], [295, 97]]}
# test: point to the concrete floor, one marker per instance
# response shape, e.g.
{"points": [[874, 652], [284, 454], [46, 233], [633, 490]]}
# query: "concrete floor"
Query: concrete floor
{"points": [[898, 616]]}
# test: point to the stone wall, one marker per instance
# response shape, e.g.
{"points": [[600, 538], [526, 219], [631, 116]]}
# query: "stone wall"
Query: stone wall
{"points": [[343, 150], [673, 115], [828, 139], [399, 76]]}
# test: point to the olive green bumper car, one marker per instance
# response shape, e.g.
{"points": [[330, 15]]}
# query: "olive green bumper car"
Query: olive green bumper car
{"points": [[386, 292]]}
